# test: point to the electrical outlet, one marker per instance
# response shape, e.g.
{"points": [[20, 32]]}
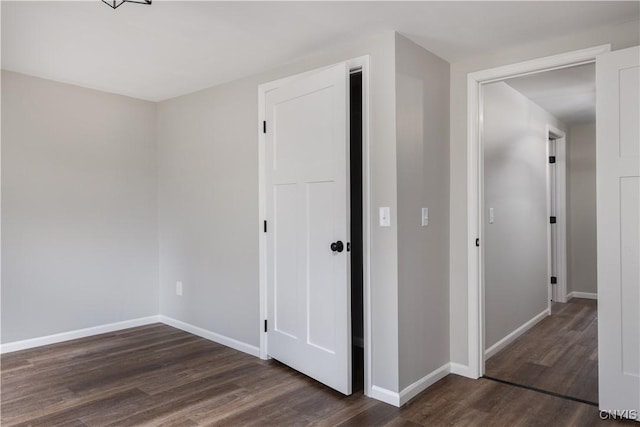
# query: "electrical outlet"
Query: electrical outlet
{"points": [[179, 289]]}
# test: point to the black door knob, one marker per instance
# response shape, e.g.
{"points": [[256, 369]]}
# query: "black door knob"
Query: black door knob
{"points": [[337, 246]]}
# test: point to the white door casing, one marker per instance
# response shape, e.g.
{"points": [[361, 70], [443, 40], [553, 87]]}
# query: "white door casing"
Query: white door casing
{"points": [[475, 215], [306, 189], [618, 222], [558, 194]]}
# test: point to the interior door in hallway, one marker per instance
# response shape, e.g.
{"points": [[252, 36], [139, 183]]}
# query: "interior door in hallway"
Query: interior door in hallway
{"points": [[308, 286], [618, 219]]}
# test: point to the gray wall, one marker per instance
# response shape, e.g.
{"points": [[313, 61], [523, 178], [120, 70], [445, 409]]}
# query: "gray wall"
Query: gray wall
{"points": [[78, 208], [581, 207], [422, 100], [91, 223], [515, 186], [208, 204], [620, 36]]}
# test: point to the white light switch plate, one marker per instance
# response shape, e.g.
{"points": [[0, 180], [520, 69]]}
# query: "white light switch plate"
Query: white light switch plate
{"points": [[491, 217], [425, 217], [179, 289], [385, 217]]}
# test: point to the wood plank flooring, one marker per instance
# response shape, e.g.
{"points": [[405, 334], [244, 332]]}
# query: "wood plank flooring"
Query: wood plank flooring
{"points": [[160, 376], [559, 354]]}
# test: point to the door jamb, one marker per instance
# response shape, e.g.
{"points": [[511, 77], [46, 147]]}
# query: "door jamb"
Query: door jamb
{"points": [[475, 174], [559, 292], [362, 63]]}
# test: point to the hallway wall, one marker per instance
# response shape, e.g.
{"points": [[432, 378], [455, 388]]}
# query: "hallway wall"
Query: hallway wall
{"points": [[581, 207], [515, 186]]}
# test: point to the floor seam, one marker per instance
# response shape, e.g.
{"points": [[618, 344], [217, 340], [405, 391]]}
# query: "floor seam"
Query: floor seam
{"points": [[537, 390]]}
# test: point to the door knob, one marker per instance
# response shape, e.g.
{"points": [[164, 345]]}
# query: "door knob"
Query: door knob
{"points": [[337, 246]]}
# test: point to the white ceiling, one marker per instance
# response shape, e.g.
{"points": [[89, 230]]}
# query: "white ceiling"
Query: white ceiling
{"points": [[568, 94], [175, 47]]}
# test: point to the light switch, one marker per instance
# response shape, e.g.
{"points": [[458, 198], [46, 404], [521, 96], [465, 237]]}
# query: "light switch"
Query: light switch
{"points": [[425, 217], [491, 218], [385, 217]]}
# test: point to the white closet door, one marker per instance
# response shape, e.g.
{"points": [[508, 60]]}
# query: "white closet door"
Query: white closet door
{"points": [[308, 286]]}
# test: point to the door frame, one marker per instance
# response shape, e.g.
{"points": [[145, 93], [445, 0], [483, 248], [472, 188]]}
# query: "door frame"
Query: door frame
{"points": [[475, 183], [559, 292], [361, 63]]}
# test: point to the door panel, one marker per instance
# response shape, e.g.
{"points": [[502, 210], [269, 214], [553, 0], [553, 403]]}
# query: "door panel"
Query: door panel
{"points": [[285, 289], [629, 112], [308, 288], [618, 194], [321, 311], [630, 277]]}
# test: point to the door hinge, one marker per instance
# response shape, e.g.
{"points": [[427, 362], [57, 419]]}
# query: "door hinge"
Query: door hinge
{"points": [[265, 325], [552, 159], [478, 243], [264, 127], [554, 280], [553, 220], [265, 226]]}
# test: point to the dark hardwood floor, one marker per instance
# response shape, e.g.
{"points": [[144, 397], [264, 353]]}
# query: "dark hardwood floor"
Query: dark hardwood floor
{"points": [[559, 354], [160, 376]]}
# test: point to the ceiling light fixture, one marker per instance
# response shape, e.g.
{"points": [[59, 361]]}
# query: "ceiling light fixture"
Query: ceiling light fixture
{"points": [[114, 4]]}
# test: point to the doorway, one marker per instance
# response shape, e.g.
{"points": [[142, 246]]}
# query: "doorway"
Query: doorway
{"points": [[332, 347], [357, 224], [530, 336]]}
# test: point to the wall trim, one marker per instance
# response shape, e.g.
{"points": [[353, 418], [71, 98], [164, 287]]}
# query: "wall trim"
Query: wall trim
{"points": [[587, 295], [78, 333], [462, 370], [423, 383], [491, 351], [398, 399], [211, 336], [386, 396], [126, 324]]}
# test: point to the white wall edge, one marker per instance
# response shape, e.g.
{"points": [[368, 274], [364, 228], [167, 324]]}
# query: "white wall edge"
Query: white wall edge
{"points": [[423, 383], [386, 396], [491, 351], [211, 336], [462, 370], [79, 333], [587, 295]]}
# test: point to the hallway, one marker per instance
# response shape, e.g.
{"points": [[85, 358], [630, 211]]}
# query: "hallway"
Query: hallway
{"points": [[558, 355]]}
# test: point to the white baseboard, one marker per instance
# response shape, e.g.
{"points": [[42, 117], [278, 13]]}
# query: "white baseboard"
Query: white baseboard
{"points": [[462, 370], [79, 333], [515, 334], [398, 399], [587, 295], [423, 383], [117, 326], [211, 336], [386, 396]]}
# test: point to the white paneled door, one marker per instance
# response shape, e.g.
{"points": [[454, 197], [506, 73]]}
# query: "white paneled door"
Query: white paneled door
{"points": [[618, 193], [308, 286]]}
